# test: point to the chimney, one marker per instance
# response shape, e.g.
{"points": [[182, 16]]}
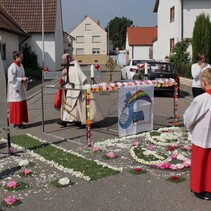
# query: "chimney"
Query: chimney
{"points": [[98, 22]]}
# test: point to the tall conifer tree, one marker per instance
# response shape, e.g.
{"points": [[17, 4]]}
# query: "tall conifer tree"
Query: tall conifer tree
{"points": [[201, 41]]}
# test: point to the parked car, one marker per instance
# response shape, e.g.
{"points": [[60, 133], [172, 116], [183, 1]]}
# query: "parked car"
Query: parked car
{"points": [[129, 70], [158, 70]]}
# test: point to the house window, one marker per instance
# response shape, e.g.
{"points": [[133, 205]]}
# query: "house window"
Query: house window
{"points": [[96, 39], [79, 39], [79, 51], [172, 14], [88, 27], [171, 44], [3, 51], [95, 50]]}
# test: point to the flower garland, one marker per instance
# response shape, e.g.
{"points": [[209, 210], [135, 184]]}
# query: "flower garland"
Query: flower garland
{"points": [[175, 123], [88, 121], [113, 86]]}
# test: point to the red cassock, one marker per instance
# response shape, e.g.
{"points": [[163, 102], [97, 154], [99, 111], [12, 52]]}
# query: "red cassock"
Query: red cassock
{"points": [[200, 175], [18, 112]]}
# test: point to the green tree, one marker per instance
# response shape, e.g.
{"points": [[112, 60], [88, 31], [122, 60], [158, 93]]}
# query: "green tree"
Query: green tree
{"points": [[117, 31], [179, 54], [201, 41], [30, 63]]}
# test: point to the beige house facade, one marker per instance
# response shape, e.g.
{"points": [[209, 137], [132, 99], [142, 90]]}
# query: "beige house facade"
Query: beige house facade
{"points": [[90, 44]]}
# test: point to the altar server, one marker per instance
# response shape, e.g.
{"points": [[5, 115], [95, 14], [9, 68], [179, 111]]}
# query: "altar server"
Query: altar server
{"points": [[197, 119]]}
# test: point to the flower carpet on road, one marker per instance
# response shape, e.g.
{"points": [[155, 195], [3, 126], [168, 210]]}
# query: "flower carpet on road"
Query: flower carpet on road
{"points": [[164, 153], [165, 148]]}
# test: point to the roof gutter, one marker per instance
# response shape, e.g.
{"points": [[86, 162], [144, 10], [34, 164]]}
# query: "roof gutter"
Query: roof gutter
{"points": [[23, 42]]}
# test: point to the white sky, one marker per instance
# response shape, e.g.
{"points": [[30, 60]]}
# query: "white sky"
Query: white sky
{"points": [[139, 11]]}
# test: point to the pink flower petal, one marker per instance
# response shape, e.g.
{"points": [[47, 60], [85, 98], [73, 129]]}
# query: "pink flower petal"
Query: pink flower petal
{"points": [[111, 155], [10, 200]]}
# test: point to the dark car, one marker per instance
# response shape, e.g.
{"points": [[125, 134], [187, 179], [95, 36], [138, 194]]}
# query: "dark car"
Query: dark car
{"points": [[159, 70]]}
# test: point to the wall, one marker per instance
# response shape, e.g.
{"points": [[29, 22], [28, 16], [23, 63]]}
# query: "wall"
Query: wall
{"points": [[91, 59], [161, 47], [49, 47], [139, 52], [12, 44]]}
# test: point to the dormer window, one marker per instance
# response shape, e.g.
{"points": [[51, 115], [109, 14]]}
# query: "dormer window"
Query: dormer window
{"points": [[172, 13], [87, 27]]}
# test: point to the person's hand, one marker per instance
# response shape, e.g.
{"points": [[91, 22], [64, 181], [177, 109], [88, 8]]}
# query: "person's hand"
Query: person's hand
{"points": [[64, 72], [24, 79], [203, 65]]}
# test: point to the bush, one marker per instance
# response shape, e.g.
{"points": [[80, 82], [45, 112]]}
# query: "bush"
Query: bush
{"points": [[184, 70]]}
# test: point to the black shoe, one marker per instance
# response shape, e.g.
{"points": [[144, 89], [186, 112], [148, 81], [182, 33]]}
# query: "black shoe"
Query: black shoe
{"points": [[207, 195], [22, 126], [199, 195], [62, 123], [17, 126]]}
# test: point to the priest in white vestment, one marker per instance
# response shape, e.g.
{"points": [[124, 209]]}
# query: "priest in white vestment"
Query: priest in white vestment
{"points": [[73, 107]]}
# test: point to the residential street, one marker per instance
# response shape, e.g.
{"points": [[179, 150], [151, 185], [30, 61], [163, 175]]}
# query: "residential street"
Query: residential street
{"points": [[123, 191]]}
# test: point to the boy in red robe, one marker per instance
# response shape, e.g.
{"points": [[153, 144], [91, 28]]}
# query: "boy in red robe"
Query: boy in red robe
{"points": [[197, 118]]}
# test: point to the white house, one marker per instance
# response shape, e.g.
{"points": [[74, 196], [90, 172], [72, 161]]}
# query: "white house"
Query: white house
{"points": [[139, 41], [27, 17], [176, 19], [90, 44]]}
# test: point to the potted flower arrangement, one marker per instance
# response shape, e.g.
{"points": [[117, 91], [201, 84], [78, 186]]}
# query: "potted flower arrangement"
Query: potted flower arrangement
{"points": [[11, 201], [14, 185], [139, 75], [62, 183], [175, 179]]}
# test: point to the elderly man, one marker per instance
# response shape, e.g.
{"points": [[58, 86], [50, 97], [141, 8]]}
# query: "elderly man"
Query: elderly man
{"points": [[73, 107]]}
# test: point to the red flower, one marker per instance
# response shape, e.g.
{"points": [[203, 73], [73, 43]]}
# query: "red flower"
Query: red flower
{"points": [[171, 148], [137, 169], [97, 66], [46, 70], [174, 178]]}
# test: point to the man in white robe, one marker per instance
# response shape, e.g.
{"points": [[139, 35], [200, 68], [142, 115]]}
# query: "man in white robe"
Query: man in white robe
{"points": [[73, 107]]}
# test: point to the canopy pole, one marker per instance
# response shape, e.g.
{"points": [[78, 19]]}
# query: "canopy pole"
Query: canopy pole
{"points": [[43, 64]]}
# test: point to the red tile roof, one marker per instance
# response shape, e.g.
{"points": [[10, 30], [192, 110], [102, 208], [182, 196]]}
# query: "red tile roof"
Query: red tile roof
{"points": [[28, 13], [141, 35], [7, 23]]}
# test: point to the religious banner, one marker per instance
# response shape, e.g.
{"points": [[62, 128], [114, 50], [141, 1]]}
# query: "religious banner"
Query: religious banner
{"points": [[135, 111], [3, 98]]}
